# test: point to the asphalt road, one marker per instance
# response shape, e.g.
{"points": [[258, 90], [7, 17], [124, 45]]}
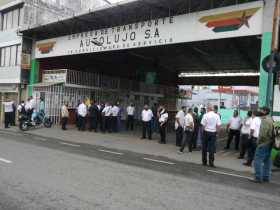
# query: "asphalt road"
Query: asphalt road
{"points": [[44, 173]]}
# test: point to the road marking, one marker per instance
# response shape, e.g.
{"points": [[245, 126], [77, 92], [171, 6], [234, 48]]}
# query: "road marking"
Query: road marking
{"points": [[10, 133], [5, 160], [159, 161], [39, 138], [111, 152], [72, 145], [229, 174]]}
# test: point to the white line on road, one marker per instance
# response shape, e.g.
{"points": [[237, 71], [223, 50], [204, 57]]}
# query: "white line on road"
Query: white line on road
{"points": [[159, 161], [10, 133], [39, 138], [5, 160], [72, 145], [229, 174], [111, 152]]}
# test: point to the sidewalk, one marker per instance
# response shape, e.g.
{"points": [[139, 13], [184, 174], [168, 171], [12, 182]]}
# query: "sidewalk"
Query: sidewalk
{"points": [[130, 141]]}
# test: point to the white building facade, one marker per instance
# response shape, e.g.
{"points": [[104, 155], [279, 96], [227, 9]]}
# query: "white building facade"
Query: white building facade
{"points": [[14, 55]]}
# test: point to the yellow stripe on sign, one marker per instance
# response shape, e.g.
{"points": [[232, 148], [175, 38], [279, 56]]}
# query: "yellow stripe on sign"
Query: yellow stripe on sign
{"points": [[229, 15]]}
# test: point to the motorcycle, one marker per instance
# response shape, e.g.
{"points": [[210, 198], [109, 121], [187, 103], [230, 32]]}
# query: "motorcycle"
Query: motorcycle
{"points": [[25, 123]]}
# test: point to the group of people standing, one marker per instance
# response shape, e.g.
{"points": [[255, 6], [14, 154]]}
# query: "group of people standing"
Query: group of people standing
{"points": [[257, 137], [199, 129], [105, 117], [27, 108]]}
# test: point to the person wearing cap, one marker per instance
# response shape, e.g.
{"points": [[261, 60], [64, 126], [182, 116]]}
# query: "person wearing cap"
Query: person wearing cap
{"points": [[262, 163], [211, 122]]}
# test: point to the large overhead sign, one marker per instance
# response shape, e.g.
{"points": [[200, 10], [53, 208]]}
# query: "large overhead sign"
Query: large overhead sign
{"points": [[235, 21]]}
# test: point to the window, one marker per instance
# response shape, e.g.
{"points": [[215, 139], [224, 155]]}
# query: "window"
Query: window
{"points": [[18, 59], [7, 56], [2, 54], [11, 19], [13, 55], [10, 56]]}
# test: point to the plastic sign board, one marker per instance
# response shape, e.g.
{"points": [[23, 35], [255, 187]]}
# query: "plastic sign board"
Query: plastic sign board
{"points": [[227, 22]]}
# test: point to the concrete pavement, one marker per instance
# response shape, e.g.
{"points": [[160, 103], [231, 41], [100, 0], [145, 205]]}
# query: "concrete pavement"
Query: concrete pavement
{"points": [[130, 141]]}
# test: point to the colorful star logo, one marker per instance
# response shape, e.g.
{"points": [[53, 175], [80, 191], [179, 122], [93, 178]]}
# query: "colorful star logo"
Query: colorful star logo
{"points": [[230, 21]]}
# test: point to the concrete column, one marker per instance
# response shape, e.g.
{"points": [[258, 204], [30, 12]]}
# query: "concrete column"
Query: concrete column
{"points": [[34, 74], [266, 47]]}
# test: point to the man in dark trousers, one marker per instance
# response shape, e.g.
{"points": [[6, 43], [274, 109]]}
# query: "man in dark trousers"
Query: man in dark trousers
{"points": [[233, 129], [146, 117], [196, 127], [211, 123], [8, 109], [93, 113], [179, 126], [130, 117]]}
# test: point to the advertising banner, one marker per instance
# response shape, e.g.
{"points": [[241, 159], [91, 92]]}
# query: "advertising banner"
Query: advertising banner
{"points": [[234, 21]]}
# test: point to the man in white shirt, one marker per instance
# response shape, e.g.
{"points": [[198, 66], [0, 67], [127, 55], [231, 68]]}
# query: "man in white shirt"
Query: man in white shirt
{"points": [[82, 113], [188, 127], [29, 107], [211, 122], [115, 113], [8, 109], [130, 110], [253, 138], [107, 112], [163, 118], [146, 117], [233, 129], [179, 126], [245, 133]]}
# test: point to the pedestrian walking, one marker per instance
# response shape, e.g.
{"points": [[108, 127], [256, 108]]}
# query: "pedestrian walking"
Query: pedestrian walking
{"points": [[8, 110], [179, 126], [262, 164], [146, 118], [211, 122], [107, 113], [130, 110], [82, 113], [188, 128], [93, 113], [163, 118], [254, 135], [233, 130], [64, 116], [245, 133]]}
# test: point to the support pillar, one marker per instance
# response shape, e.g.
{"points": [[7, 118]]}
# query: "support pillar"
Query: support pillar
{"points": [[34, 75], [266, 47], [265, 51]]}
